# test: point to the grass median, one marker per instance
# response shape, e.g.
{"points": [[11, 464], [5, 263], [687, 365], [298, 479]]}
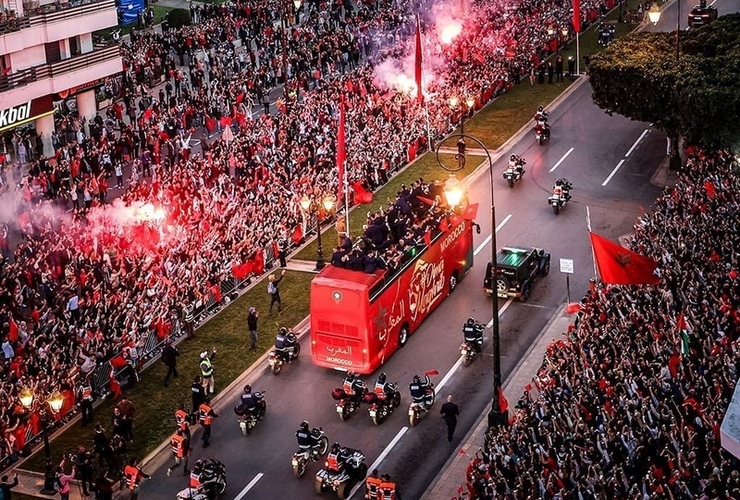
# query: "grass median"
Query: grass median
{"points": [[227, 332]]}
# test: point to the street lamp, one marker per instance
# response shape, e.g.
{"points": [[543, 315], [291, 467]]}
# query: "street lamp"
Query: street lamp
{"points": [[55, 401], [454, 103], [311, 205], [454, 194], [654, 15]]}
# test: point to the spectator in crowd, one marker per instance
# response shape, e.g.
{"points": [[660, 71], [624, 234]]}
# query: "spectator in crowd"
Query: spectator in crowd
{"points": [[620, 411]]}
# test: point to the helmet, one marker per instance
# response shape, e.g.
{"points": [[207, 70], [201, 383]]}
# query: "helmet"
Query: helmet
{"points": [[416, 379], [304, 425], [351, 375], [512, 157], [540, 109], [558, 182], [290, 336], [471, 321], [335, 447], [381, 378], [198, 466], [247, 388], [282, 330]]}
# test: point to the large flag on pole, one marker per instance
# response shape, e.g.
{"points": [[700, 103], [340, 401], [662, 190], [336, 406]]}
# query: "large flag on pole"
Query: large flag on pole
{"points": [[341, 149], [683, 331], [419, 95], [577, 15], [619, 266]]}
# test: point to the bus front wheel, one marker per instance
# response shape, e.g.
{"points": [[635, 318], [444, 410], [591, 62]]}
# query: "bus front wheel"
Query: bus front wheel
{"points": [[453, 281], [403, 335]]}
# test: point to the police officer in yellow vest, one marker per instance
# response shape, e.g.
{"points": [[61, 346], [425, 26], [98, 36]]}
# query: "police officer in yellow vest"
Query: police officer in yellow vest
{"points": [[206, 369]]}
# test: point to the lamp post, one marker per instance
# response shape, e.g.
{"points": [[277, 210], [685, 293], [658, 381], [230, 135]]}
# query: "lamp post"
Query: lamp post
{"points": [[454, 194], [286, 23], [454, 103], [654, 15], [311, 205], [56, 401]]}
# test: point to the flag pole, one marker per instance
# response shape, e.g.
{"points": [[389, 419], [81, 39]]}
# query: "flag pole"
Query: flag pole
{"points": [[593, 255], [346, 202], [578, 56]]}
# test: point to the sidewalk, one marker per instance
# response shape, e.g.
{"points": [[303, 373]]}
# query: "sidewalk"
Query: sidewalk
{"points": [[453, 474]]}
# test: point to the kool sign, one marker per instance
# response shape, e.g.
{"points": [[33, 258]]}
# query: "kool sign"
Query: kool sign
{"points": [[22, 113]]}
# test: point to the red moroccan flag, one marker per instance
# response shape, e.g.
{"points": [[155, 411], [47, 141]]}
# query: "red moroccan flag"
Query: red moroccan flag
{"points": [[620, 266], [297, 234], [444, 225], [341, 149], [428, 238], [362, 195], [419, 95], [710, 189], [577, 15], [503, 404], [13, 331], [470, 212], [425, 200]]}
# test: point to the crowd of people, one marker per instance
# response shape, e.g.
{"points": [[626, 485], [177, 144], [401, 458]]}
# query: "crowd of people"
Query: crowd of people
{"points": [[630, 403], [93, 281]]}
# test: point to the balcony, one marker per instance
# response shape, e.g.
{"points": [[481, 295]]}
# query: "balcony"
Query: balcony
{"points": [[44, 79], [47, 23]]}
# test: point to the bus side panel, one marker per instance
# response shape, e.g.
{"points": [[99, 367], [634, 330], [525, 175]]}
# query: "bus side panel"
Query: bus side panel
{"points": [[338, 327]]}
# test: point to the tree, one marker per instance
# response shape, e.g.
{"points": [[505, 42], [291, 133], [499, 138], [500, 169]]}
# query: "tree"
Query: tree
{"points": [[696, 97]]}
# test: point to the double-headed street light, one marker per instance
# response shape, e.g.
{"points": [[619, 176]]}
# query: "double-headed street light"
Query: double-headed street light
{"points": [[454, 102], [30, 402], [454, 193], [312, 205]]}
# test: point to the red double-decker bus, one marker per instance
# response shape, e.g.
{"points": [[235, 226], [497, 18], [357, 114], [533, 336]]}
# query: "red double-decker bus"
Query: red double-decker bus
{"points": [[359, 320]]}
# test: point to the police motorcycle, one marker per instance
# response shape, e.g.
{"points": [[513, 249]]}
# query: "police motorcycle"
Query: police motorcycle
{"points": [[515, 170], [541, 127], [383, 400], [343, 479], [422, 397], [303, 456], [560, 195], [473, 341], [249, 416], [287, 349], [346, 402], [212, 480]]}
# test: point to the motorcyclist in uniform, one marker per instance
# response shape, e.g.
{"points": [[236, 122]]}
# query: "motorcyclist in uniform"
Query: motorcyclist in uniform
{"points": [[473, 334], [336, 460], [306, 439], [384, 389], [541, 118], [285, 342], [561, 189], [353, 386], [516, 163], [251, 403], [420, 390]]}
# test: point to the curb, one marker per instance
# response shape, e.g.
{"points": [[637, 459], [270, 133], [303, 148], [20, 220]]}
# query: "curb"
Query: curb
{"points": [[471, 440]]}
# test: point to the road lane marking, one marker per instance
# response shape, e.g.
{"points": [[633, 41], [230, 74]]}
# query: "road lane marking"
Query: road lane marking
{"points": [[488, 238], [619, 165], [561, 160], [500, 311], [380, 458], [636, 143], [249, 486]]}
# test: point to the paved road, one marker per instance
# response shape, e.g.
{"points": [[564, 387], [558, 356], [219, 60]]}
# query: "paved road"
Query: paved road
{"points": [[599, 143]]}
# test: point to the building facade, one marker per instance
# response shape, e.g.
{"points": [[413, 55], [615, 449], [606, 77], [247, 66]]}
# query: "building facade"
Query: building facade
{"points": [[48, 60]]}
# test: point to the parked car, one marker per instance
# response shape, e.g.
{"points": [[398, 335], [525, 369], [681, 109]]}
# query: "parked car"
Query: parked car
{"points": [[517, 269]]}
